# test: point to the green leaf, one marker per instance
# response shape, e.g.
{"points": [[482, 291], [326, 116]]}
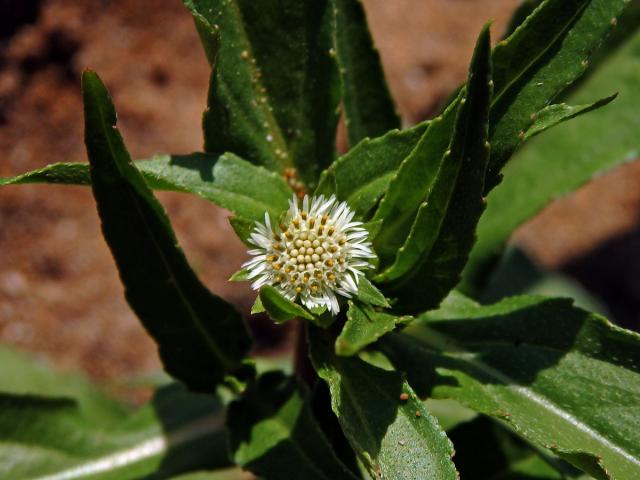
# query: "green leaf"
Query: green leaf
{"points": [[200, 336], [392, 433], [241, 275], [431, 259], [47, 437], [226, 474], [369, 294], [544, 55], [274, 90], [561, 160], [227, 180], [487, 451], [557, 113], [57, 173], [257, 306], [361, 176], [363, 327], [410, 184], [566, 379], [22, 374], [279, 308], [368, 106], [273, 434], [520, 14], [243, 227]]}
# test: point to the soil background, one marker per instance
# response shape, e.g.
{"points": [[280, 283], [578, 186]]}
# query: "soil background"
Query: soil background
{"points": [[59, 290]]}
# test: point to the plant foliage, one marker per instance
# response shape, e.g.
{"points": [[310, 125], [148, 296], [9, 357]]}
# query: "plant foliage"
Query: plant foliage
{"points": [[534, 387]]}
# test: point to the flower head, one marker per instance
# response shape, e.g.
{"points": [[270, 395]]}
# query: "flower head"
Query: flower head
{"points": [[316, 253]]}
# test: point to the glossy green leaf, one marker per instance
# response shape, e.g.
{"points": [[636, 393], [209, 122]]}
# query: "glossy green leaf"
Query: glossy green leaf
{"points": [[200, 337], [566, 379], [561, 160], [487, 451], [557, 113], [544, 55], [392, 433], [227, 180], [429, 263], [279, 308], [273, 434], [54, 438], [368, 106], [361, 176], [274, 91], [369, 294], [364, 326]]}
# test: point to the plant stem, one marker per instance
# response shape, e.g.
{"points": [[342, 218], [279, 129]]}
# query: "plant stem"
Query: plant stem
{"points": [[301, 362]]}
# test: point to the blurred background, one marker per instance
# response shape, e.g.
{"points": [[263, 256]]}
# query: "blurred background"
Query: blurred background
{"points": [[60, 296]]}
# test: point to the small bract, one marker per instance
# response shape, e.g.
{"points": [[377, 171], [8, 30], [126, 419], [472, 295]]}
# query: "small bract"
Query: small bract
{"points": [[315, 254]]}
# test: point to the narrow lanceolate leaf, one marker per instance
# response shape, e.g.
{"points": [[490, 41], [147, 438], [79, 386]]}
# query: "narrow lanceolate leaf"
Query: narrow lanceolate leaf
{"points": [[361, 176], [566, 379], [200, 337], [279, 308], [368, 106], [363, 327], [557, 113], [564, 158], [274, 89], [273, 434], [227, 180], [55, 439], [543, 56], [429, 263], [410, 184], [389, 428]]}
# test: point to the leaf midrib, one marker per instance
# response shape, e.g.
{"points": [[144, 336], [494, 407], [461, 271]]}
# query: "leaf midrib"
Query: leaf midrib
{"points": [[526, 392]]}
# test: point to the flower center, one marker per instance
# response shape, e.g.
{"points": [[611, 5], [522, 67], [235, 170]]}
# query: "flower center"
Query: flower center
{"points": [[308, 255], [318, 252]]}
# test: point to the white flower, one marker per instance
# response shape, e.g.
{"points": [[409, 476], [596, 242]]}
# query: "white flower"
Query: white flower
{"points": [[318, 251]]}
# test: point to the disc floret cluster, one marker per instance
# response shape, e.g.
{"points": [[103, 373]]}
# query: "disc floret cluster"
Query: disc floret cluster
{"points": [[317, 253]]}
